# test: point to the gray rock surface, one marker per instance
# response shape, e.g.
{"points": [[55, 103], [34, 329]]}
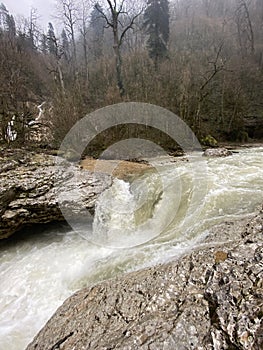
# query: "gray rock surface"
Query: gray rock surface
{"points": [[217, 152], [209, 299], [30, 185]]}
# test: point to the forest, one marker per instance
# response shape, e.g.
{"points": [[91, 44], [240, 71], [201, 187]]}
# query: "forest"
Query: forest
{"points": [[201, 59]]}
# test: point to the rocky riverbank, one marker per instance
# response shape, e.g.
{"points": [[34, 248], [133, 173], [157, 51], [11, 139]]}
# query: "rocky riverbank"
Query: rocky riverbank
{"points": [[208, 299], [31, 183]]}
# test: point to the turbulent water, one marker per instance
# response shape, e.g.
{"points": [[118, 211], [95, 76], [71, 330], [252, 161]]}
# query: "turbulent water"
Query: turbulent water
{"points": [[158, 216]]}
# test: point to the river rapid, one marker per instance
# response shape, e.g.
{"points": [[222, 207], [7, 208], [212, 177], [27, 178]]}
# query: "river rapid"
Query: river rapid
{"points": [[157, 217]]}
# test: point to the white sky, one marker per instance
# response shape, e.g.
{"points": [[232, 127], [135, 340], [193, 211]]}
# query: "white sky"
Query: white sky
{"points": [[46, 9]]}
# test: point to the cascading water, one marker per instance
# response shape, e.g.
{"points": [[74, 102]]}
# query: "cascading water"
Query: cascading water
{"points": [[157, 217], [128, 215]]}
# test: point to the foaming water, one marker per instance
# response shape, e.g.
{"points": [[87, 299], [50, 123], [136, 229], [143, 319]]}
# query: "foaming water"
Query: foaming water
{"points": [[36, 275], [157, 217]]}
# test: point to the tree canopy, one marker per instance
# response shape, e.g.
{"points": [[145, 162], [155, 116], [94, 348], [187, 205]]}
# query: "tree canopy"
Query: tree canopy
{"points": [[156, 24]]}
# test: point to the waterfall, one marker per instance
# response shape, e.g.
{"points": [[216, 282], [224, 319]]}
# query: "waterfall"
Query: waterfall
{"points": [[156, 217]]}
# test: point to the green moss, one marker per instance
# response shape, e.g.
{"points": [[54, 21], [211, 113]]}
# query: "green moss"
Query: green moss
{"points": [[209, 141]]}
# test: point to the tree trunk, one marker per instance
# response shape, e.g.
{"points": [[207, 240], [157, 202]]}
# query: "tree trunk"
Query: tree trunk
{"points": [[86, 62], [117, 52], [61, 78], [119, 71]]}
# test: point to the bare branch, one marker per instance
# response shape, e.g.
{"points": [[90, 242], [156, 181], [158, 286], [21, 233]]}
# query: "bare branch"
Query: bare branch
{"points": [[121, 7], [130, 26], [111, 7], [217, 68], [110, 24]]}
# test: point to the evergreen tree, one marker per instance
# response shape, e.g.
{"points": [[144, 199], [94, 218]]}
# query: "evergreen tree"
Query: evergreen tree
{"points": [[3, 16], [65, 45], [11, 25], [43, 44], [30, 39], [7, 22], [51, 40], [156, 25], [97, 25]]}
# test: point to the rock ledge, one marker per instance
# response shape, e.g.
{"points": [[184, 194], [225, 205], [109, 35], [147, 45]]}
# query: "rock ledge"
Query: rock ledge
{"points": [[30, 185]]}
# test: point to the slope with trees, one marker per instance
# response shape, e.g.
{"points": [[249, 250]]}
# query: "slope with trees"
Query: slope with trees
{"points": [[203, 60]]}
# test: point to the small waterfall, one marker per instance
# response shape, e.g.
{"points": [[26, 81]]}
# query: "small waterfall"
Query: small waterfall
{"points": [[156, 217], [114, 214], [125, 213]]}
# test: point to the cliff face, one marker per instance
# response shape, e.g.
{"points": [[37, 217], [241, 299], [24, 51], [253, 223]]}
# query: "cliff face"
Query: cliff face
{"points": [[30, 185], [209, 299]]}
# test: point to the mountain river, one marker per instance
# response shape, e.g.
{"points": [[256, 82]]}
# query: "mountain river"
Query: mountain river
{"points": [[154, 218]]}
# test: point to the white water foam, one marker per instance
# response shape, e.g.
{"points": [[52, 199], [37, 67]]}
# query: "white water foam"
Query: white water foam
{"points": [[39, 271]]}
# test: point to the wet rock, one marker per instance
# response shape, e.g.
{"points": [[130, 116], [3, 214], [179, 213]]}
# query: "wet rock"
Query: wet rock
{"points": [[208, 299], [31, 185], [217, 152], [228, 231]]}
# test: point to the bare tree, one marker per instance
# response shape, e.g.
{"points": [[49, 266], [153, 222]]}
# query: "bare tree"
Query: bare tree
{"points": [[84, 16], [32, 27], [68, 14], [56, 55], [218, 65], [244, 27], [115, 16]]}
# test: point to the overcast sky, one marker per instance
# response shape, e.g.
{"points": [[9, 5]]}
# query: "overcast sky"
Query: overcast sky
{"points": [[22, 7]]}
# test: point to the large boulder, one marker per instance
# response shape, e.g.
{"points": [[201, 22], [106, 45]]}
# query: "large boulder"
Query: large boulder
{"points": [[208, 299], [217, 152], [30, 185]]}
